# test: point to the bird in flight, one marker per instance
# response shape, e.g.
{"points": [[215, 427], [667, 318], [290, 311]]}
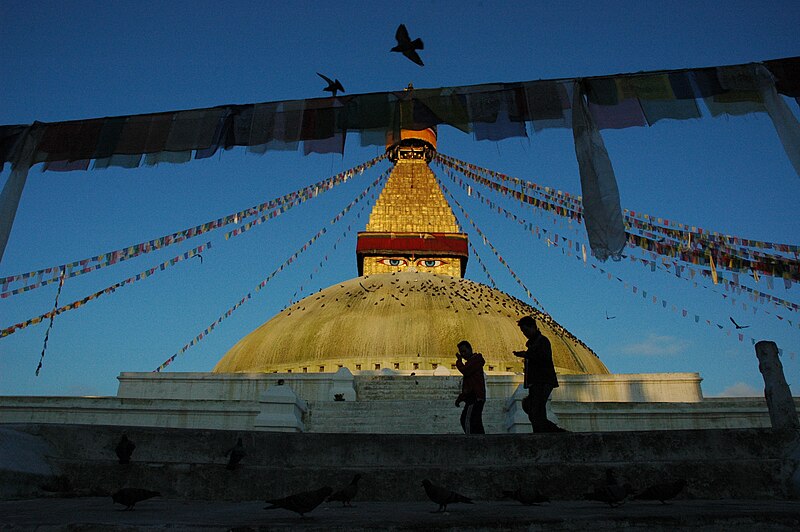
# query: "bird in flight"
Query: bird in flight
{"points": [[406, 46], [609, 317], [737, 325], [333, 85]]}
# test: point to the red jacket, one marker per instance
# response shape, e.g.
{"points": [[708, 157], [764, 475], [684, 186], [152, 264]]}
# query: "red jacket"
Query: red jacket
{"points": [[474, 384]]}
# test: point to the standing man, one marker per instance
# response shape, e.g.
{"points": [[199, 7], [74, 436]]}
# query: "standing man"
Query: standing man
{"points": [[473, 388], [540, 375]]}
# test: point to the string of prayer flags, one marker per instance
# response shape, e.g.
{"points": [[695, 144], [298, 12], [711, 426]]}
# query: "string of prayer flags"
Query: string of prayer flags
{"points": [[729, 251], [333, 248], [264, 282], [108, 290], [483, 266], [636, 220], [494, 250], [87, 265], [50, 326], [502, 112], [756, 295]]}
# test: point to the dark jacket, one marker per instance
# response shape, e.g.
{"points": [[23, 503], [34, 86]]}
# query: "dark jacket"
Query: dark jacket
{"points": [[473, 386], [539, 367]]}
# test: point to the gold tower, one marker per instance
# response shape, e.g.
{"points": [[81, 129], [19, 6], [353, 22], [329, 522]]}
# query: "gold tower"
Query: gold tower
{"points": [[411, 227]]}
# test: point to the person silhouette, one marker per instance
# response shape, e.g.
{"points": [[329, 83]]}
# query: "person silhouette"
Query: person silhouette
{"points": [[540, 375], [473, 388]]}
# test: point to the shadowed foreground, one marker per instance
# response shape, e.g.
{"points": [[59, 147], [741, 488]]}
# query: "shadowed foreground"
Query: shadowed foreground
{"points": [[97, 513]]}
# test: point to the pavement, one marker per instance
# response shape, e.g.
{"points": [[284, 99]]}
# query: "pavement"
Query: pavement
{"points": [[89, 514]]}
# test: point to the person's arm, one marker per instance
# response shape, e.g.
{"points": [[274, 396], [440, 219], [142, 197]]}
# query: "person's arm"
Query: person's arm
{"points": [[523, 354]]}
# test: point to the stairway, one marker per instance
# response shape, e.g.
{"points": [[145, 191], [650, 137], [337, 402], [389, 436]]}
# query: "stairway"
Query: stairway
{"points": [[401, 405]]}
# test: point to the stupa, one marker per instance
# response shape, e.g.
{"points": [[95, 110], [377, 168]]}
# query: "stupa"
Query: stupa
{"points": [[411, 304], [376, 353]]}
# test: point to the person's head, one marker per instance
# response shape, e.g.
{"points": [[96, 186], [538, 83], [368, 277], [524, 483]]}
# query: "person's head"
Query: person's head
{"points": [[465, 349], [528, 326]]}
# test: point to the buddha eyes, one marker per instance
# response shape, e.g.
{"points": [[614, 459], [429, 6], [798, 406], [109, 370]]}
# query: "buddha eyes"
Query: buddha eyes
{"points": [[393, 262], [398, 261]]}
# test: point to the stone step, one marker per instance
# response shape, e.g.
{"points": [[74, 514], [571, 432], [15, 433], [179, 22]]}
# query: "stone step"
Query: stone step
{"points": [[407, 388], [398, 417], [185, 463]]}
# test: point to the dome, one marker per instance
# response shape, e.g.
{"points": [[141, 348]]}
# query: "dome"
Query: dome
{"points": [[401, 321]]}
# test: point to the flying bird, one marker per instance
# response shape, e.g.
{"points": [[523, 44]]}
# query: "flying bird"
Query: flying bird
{"points": [[301, 503], [406, 46], [443, 496], [200, 257], [333, 85], [235, 455], [662, 491], [124, 449], [130, 496], [526, 495], [609, 317], [347, 493], [737, 325]]}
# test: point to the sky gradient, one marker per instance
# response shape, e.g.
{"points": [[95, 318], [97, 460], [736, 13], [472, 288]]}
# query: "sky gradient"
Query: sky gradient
{"points": [[94, 59]]}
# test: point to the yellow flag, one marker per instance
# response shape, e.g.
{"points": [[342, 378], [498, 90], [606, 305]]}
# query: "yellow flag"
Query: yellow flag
{"points": [[713, 269]]}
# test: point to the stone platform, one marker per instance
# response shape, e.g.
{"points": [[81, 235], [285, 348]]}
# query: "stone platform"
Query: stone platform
{"points": [[190, 464], [59, 477]]}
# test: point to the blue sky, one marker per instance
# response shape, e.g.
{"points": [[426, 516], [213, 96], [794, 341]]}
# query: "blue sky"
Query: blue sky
{"points": [[75, 60]]}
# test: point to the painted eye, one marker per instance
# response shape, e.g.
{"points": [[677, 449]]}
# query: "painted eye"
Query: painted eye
{"points": [[392, 262], [430, 263]]}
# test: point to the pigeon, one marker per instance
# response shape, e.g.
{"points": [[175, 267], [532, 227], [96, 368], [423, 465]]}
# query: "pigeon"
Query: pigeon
{"points": [[333, 85], [443, 496], [526, 496], [301, 503], [130, 496], [406, 46], [125, 449], [661, 492], [347, 493], [235, 455], [610, 491]]}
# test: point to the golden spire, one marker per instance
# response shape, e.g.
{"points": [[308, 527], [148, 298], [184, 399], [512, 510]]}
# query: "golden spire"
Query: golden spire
{"points": [[411, 227]]}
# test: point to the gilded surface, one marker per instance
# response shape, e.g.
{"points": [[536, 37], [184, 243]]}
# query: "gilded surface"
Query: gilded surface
{"points": [[412, 201], [400, 321], [388, 264]]}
